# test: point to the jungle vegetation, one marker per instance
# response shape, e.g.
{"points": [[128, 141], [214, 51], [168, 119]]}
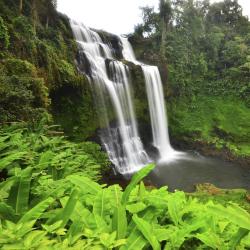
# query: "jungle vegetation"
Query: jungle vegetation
{"points": [[52, 194], [206, 49]]}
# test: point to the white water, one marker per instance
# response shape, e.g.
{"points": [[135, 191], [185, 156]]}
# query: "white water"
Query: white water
{"points": [[128, 52], [157, 110], [158, 114], [122, 141]]}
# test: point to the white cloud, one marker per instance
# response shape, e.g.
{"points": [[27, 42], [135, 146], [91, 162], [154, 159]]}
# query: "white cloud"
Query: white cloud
{"points": [[116, 16]]}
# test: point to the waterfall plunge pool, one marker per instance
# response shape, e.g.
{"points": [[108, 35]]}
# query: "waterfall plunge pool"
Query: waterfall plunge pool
{"points": [[190, 169]]}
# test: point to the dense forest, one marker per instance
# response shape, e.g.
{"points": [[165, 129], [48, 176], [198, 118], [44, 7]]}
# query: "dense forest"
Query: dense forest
{"points": [[54, 192], [206, 49]]}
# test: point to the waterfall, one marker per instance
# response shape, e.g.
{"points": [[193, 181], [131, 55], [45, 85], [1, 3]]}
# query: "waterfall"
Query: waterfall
{"points": [[128, 52], [110, 81], [157, 110], [158, 114], [110, 78]]}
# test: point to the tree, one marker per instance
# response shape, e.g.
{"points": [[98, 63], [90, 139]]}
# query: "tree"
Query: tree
{"points": [[34, 13], [50, 7], [20, 7], [165, 15], [43, 11], [150, 21], [228, 13]]}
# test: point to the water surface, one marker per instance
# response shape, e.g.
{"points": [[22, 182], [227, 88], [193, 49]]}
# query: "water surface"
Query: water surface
{"points": [[191, 169]]}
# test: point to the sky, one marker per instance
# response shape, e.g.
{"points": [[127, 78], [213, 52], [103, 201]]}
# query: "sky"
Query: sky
{"points": [[115, 16]]}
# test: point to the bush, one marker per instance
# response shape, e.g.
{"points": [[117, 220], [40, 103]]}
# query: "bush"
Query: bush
{"points": [[19, 67], [23, 27], [4, 35], [22, 98], [223, 122], [79, 213], [67, 73]]}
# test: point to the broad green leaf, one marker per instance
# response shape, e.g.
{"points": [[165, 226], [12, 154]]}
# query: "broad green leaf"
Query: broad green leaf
{"points": [[19, 193], [34, 213], [65, 213], [99, 204], [34, 239], [52, 228], [175, 205], [119, 220], [101, 223], [11, 158], [135, 180], [142, 190], [108, 239], [163, 234], [156, 200], [85, 184], [45, 159], [246, 240], [5, 187], [146, 229], [233, 213], [6, 212], [135, 239], [235, 240], [136, 207], [185, 231], [75, 231], [212, 240], [119, 243], [83, 215], [69, 208]]}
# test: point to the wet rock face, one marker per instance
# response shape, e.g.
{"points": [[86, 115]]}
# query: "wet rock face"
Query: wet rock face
{"points": [[113, 41], [82, 62]]}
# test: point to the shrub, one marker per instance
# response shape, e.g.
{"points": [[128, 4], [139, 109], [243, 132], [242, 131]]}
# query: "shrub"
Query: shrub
{"points": [[4, 35], [86, 215], [19, 67], [22, 98]]}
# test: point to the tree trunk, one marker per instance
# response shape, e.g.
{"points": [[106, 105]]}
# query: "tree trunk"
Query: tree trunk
{"points": [[20, 7], [47, 22], [163, 38], [34, 14]]}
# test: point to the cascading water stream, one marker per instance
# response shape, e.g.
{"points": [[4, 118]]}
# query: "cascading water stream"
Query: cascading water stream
{"points": [[158, 115], [122, 142], [157, 111]]}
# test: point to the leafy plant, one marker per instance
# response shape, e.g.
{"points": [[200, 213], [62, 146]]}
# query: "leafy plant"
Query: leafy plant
{"points": [[49, 199]]}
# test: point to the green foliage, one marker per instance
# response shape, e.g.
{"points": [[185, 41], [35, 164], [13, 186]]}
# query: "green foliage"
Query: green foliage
{"points": [[135, 180], [19, 67], [22, 26], [67, 72], [48, 200], [4, 35], [37, 61], [46, 160], [207, 58], [22, 97], [221, 122], [91, 216]]}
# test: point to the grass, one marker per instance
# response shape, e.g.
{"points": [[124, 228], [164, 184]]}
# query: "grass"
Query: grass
{"points": [[224, 122]]}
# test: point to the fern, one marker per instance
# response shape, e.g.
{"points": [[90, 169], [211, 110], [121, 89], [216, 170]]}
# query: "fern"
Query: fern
{"points": [[51, 200], [19, 193], [146, 229], [135, 180]]}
